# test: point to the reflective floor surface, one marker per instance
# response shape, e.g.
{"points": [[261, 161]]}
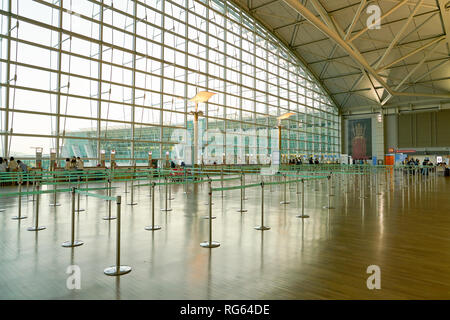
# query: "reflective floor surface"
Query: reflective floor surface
{"points": [[405, 230]]}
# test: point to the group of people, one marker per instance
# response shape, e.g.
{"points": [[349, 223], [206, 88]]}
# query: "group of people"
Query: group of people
{"points": [[416, 162], [74, 164], [299, 161], [12, 165]]}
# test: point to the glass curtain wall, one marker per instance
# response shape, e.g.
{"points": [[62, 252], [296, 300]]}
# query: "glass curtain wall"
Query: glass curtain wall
{"points": [[81, 76]]}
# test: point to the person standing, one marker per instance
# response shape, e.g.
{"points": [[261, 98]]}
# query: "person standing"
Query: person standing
{"points": [[22, 166], [3, 165], [80, 164], [13, 166]]}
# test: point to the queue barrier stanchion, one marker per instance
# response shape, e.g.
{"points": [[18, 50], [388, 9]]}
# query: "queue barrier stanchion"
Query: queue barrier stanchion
{"points": [[209, 201], [329, 195], [243, 194], [36, 226], [303, 215], [166, 209], [109, 217], [262, 227], [153, 227], [72, 242], [210, 243], [55, 203], [118, 269], [285, 192], [78, 197], [132, 203], [170, 190], [242, 210], [19, 200], [33, 198]]}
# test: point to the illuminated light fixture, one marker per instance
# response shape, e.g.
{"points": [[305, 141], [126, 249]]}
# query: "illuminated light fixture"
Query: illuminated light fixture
{"points": [[380, 118], [285, 116], [202, 96]]}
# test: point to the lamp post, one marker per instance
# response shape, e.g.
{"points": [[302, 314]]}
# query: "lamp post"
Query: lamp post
{"points": [[280, 118], [200, 97]]}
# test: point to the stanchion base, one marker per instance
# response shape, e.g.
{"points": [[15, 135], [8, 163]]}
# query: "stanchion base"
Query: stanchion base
{"points": [[113, 271], [244, 199], [327, 207], [241, 210], [262, 228], [171, 199], [69, 244], [109, 218], [299, 193], [36, 228], [55, 204], [167, 210], [207, 217], [302, 216], [207, 244], [19, 218], [284, 202], [132, 204], [80, 210], [152, 228]]}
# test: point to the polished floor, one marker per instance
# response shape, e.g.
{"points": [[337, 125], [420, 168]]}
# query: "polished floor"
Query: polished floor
{"points": [[405, 230]]}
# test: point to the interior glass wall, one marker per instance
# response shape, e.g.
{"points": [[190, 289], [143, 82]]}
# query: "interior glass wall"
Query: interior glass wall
{"points": [[81, 76]]}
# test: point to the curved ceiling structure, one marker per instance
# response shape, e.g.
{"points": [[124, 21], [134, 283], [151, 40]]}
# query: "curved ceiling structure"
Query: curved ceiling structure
{"points": [[400, 60]]}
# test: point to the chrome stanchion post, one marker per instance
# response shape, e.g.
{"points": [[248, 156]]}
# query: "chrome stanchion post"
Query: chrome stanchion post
{"points": [[72, 242], [117, 270], [109, 202], [166, 197], [262, 227], [221, 180], [329, 194], [54, 204], [153, 227], [209, 202], [33, 198], [170, 190], [36, 227], [285, 191], [243, 194], [303, 215], [78, 197], [19, 215], [210, 243], [242, 197]]}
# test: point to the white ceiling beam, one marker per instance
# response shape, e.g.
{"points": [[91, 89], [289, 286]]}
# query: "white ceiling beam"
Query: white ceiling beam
{"points": [[412, 3], [384, 25], [347, 34], [399, 34], [445, 13], [411, 53], [439, 65], [397, 6], [296, 5], [413, 70]]}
